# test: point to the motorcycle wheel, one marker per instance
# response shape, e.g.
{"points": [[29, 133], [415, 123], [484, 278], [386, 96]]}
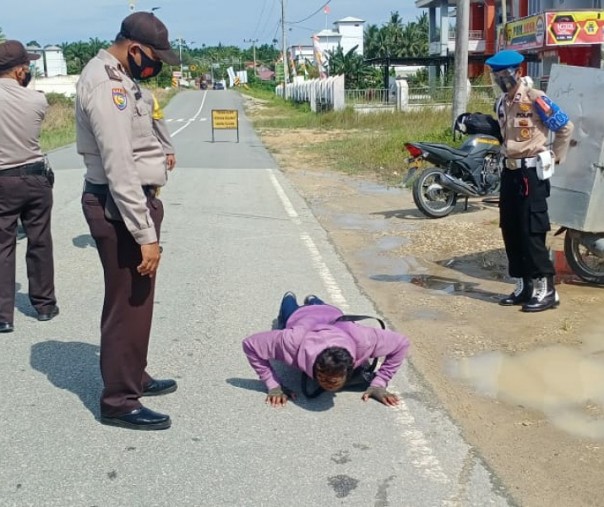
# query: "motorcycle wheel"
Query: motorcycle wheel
{"points": [[586, 265], [430, 197]]}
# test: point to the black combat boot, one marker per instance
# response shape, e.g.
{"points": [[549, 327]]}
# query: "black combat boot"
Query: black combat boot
{"points": [[522, 293], [544, 295]]}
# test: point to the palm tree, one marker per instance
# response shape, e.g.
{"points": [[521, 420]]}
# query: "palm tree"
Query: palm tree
{"points": [[2, 36], [350, 64]]}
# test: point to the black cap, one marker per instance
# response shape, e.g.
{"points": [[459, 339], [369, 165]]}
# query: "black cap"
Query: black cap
{"points": [[145, 28], [13, 53]]}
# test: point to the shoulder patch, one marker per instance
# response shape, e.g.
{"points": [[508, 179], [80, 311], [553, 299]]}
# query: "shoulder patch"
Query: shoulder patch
{"points": [[113, 74], [120, 99]]}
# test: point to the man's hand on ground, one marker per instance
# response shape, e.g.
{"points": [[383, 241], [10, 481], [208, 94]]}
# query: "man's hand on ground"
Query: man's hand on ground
{"points": [[278, 396], [382, 395]]}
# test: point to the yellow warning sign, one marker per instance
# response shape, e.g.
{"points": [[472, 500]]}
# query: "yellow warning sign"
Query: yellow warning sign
{"points": [[225, 119]]}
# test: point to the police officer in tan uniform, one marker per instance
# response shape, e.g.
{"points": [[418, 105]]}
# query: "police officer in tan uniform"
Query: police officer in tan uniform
{"points": [[527, 117], [125, 165], [160, 128], [25, 187]]}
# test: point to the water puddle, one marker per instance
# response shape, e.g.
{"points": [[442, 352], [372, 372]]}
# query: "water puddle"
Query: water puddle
{"points": [[360, 222], [565, 383], [370, 187], [435, 283], [391, 242]]}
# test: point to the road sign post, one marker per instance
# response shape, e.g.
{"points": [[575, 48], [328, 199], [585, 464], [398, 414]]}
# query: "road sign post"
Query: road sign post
{"points": [[225, 119]]}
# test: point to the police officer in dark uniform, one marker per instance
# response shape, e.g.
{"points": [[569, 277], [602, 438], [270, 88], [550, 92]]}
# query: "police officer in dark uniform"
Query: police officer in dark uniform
{"points": [[25, 187], [125, 166], [526, 117]]}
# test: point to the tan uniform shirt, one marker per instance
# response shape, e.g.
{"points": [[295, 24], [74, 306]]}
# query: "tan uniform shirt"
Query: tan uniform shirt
{"points": [[524, 134], [21, 113], [115, 136]]}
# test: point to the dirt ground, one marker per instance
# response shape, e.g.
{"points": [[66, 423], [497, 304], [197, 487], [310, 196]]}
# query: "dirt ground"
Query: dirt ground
{"points": [[526, 389]]}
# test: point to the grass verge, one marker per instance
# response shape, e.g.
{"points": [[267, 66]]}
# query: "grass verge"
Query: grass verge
{"points": [[365, 142]]}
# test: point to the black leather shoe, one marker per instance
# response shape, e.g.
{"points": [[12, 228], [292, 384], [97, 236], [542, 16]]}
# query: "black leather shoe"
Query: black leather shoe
{"points": [[544, 297], [522, 293], [6, 327], [139, 419], [48, 315], [159, 387]]}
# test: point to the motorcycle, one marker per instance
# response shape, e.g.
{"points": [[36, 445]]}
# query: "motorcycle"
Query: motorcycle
{"points": [[472, 170], [584, 253]]}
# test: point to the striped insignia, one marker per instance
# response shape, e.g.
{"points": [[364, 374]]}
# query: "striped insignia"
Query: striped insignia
{"points": [[119, 98]]}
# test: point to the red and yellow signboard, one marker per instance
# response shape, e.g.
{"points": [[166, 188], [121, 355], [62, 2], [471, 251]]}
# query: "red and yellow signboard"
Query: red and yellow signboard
{"points": [[576, 27]]}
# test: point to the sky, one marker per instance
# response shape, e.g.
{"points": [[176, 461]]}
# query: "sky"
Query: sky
{"points": [[209, 22]]}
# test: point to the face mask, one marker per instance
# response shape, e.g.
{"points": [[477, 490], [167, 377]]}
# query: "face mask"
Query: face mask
{"points": [[505, 79], [26, 79], [147, 69]]}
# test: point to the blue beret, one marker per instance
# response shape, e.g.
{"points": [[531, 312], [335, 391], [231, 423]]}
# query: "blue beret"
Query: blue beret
{"points": [[505, 59]]}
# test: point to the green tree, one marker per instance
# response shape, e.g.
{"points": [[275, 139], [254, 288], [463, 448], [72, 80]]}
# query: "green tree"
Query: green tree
{"points": [[396, 39], [356, 73], [2, 36]]}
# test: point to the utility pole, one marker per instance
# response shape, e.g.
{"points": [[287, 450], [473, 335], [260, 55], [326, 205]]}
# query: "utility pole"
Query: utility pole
{"points": [[285, 69], [462, 35], [253, 41]]}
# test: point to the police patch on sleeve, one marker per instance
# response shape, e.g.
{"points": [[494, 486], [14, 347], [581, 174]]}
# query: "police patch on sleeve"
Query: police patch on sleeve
{"points": [[120, 98]]}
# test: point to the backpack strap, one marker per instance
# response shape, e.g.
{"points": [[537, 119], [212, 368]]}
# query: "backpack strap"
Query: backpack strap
{"points": [[355, 318]]}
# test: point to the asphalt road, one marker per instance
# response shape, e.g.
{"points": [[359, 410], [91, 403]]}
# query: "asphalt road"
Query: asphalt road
{"points": [[236, 236]]}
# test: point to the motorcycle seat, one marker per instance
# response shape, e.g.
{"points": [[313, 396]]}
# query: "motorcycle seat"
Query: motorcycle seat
{"points": [[454, 152]]}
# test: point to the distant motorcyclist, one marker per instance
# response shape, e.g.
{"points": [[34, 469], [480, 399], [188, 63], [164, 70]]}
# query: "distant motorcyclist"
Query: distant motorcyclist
{"points": [[526, 117]]}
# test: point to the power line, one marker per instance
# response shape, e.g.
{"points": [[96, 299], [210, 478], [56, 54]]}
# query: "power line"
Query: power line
{"points": [[260, 18], [311, 15]]}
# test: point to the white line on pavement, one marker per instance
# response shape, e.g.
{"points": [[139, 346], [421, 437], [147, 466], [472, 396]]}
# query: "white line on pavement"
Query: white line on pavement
{"points": [[203, 101], [334, 291]]}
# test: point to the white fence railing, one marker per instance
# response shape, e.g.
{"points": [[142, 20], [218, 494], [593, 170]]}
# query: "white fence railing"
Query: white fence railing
{"points": [[322, 94], [329, 94]]}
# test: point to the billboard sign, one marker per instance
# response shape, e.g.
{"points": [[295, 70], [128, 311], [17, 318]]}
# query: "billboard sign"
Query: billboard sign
{"points": [[574, 28], [525, 33]]}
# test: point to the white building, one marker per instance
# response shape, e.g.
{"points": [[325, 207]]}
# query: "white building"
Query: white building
{"points": [[51, 62], [348, 33], [54, 61]]}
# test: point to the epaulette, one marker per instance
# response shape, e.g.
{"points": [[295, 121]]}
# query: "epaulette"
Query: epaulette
{"points": [[113, 74]]}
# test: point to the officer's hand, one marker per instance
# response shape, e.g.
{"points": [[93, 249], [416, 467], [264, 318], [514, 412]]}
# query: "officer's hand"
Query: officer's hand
{"points": [[278, 396], [382, 395], [170, 161], [151, 255]]}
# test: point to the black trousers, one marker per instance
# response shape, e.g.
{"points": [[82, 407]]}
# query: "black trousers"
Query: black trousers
{"points": [[524, 223], [28, 197], [127, 308]]}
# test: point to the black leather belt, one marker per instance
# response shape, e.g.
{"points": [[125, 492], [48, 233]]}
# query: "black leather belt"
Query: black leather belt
{"points": [[100, 189], [25, 169]]}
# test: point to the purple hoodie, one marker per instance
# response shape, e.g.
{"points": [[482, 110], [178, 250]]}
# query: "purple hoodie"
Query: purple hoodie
{"points": [[309, 331]]}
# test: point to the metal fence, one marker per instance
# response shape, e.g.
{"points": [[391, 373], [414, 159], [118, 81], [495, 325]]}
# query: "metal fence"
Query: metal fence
{"points": [[444, 95], [374, 96], [418, 95]]}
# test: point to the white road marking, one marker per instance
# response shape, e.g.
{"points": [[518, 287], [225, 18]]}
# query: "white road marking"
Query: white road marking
{"points": [[203, 101], [334, 291]]}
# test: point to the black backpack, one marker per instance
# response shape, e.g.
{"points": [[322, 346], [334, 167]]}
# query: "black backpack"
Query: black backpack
{"points": [[477, 123], [360, 377]]}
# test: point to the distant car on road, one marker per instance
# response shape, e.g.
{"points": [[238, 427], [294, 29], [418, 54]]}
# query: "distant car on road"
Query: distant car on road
{"points": [[218, 86]]}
